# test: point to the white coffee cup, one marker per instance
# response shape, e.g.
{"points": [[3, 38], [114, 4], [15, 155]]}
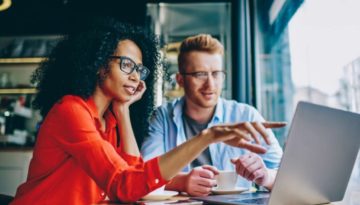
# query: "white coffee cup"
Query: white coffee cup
{"points": [[158, 191], [226, 180]]}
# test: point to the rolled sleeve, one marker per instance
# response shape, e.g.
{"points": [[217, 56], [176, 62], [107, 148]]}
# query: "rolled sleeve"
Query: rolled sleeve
{"points": [[274, 152], [132, 184], [130, 159]]}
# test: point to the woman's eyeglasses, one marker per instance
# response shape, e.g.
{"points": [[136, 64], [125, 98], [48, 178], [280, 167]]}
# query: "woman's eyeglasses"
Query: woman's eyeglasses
{"points": [[127, 65]]}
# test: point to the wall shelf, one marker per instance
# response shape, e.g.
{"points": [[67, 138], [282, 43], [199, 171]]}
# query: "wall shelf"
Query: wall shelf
{"points": [[21, 60], [13, 91]]}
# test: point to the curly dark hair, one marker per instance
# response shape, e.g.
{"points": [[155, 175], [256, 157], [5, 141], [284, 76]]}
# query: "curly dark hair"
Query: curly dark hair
{"points": [[73, 65]]}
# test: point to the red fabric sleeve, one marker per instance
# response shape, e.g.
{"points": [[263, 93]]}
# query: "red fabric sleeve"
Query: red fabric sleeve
{"points": [[122, 176]]}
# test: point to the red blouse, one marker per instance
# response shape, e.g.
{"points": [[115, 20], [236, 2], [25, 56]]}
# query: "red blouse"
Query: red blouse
{"points": [[74, 162]]}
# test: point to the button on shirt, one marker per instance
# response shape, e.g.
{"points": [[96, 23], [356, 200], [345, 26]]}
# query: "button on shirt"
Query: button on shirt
{"points": [[74, 162], [166, 131]]}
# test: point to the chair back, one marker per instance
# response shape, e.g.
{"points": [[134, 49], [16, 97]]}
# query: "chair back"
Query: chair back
{"points": [[5, 199]]}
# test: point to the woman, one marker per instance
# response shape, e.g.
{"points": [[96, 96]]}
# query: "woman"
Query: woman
{"points": [[86, 149]]}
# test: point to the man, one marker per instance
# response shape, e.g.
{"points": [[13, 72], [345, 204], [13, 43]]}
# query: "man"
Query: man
{"points": [[201, 75]]}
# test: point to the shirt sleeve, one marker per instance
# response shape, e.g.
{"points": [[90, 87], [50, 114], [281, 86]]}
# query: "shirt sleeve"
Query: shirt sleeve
{"points": [[77, 135], [153, 144], [274, 152], [131, 160]]}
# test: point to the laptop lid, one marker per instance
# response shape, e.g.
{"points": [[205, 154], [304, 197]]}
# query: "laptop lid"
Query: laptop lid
{"points": [[319, 156]]}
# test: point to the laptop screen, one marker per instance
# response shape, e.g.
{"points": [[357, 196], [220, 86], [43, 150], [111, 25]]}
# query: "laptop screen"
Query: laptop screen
{"points": [[319, 156]]}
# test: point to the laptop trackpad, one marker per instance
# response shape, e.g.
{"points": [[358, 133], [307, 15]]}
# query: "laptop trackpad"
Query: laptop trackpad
{"points": [[243, 198]]}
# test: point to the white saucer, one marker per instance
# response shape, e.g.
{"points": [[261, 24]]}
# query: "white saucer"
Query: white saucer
{"points": [[160, 196], [236, 190]]}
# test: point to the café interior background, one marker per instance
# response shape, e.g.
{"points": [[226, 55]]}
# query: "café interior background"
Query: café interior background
{"points": [[277, 52], [272, 59]]}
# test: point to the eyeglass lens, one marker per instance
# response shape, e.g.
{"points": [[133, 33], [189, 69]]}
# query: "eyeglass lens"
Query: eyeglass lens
{"points": [[128, 66]]}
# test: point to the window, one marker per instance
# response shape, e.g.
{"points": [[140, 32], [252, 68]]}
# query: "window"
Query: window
{"points": [[173, 22], [306, 50]]}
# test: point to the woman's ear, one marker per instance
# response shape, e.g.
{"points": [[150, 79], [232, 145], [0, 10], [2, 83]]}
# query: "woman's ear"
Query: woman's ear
{"points": [[102, 73], [180, 79]]}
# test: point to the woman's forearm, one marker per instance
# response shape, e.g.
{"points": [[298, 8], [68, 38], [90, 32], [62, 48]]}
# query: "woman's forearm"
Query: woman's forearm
{"points": [[127, 138], [235, 135], [172, 162]]}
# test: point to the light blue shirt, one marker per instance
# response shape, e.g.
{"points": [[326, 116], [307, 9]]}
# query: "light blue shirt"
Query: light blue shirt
{"points": [[166, 131]]}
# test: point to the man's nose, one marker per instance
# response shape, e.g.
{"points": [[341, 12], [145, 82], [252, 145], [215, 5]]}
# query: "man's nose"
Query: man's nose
{"points": [[210, 81]]}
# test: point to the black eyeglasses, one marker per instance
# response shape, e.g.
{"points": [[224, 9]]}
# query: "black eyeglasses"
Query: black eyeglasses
{"points": [[218, 75], [127, 65]]}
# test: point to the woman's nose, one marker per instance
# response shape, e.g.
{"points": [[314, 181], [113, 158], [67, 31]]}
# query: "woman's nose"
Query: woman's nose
{"points": [[135, 75]]}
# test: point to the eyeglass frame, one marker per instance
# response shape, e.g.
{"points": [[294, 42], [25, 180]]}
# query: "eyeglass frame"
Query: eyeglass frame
{"points": [[136, 66], [193, 74]]}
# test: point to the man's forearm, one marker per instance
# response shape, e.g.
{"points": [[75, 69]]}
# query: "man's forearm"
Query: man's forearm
{"points": [[127, 137]]}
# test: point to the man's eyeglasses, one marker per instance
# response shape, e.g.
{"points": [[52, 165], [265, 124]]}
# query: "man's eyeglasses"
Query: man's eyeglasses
{"points": [[218, 75], [127, 65]]}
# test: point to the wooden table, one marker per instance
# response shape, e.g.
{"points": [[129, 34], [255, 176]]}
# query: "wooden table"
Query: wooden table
{"points": [[352, 194]]}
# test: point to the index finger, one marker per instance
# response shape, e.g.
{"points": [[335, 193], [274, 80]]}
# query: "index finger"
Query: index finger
{"points": [[258, 149], [274, 124], [211, 168], [207, 173]]}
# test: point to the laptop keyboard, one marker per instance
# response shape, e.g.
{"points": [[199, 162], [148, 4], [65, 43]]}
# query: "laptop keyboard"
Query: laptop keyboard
{"points": [[263, 200]]}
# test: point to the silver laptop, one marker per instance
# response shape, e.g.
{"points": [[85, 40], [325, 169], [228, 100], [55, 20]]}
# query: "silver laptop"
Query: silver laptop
{"points": [[319, 156]]}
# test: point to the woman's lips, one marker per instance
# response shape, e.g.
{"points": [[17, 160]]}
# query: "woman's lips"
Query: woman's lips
{"points": [[130, 89]]}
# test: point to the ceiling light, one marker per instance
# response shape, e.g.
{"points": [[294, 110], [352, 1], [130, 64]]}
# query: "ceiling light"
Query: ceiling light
{"points": [[5, 5]]}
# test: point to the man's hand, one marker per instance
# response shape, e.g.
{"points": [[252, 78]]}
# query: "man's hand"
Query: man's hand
{"points": [[201, 180], [252, 167]]}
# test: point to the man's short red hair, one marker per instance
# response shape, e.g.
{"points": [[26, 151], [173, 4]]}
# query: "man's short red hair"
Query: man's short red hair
{"points": [[201, 42]]}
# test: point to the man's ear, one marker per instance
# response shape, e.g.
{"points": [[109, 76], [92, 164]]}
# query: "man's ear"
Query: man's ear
{"points": [[180, 79]]}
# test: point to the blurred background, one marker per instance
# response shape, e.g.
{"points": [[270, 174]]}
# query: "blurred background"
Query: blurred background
{"points": [[277, 52]]}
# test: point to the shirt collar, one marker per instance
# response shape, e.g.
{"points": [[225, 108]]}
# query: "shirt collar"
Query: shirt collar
{"points": [[217, 117], [109, 117], [219, 110], [178, 107], [92, 107]]}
